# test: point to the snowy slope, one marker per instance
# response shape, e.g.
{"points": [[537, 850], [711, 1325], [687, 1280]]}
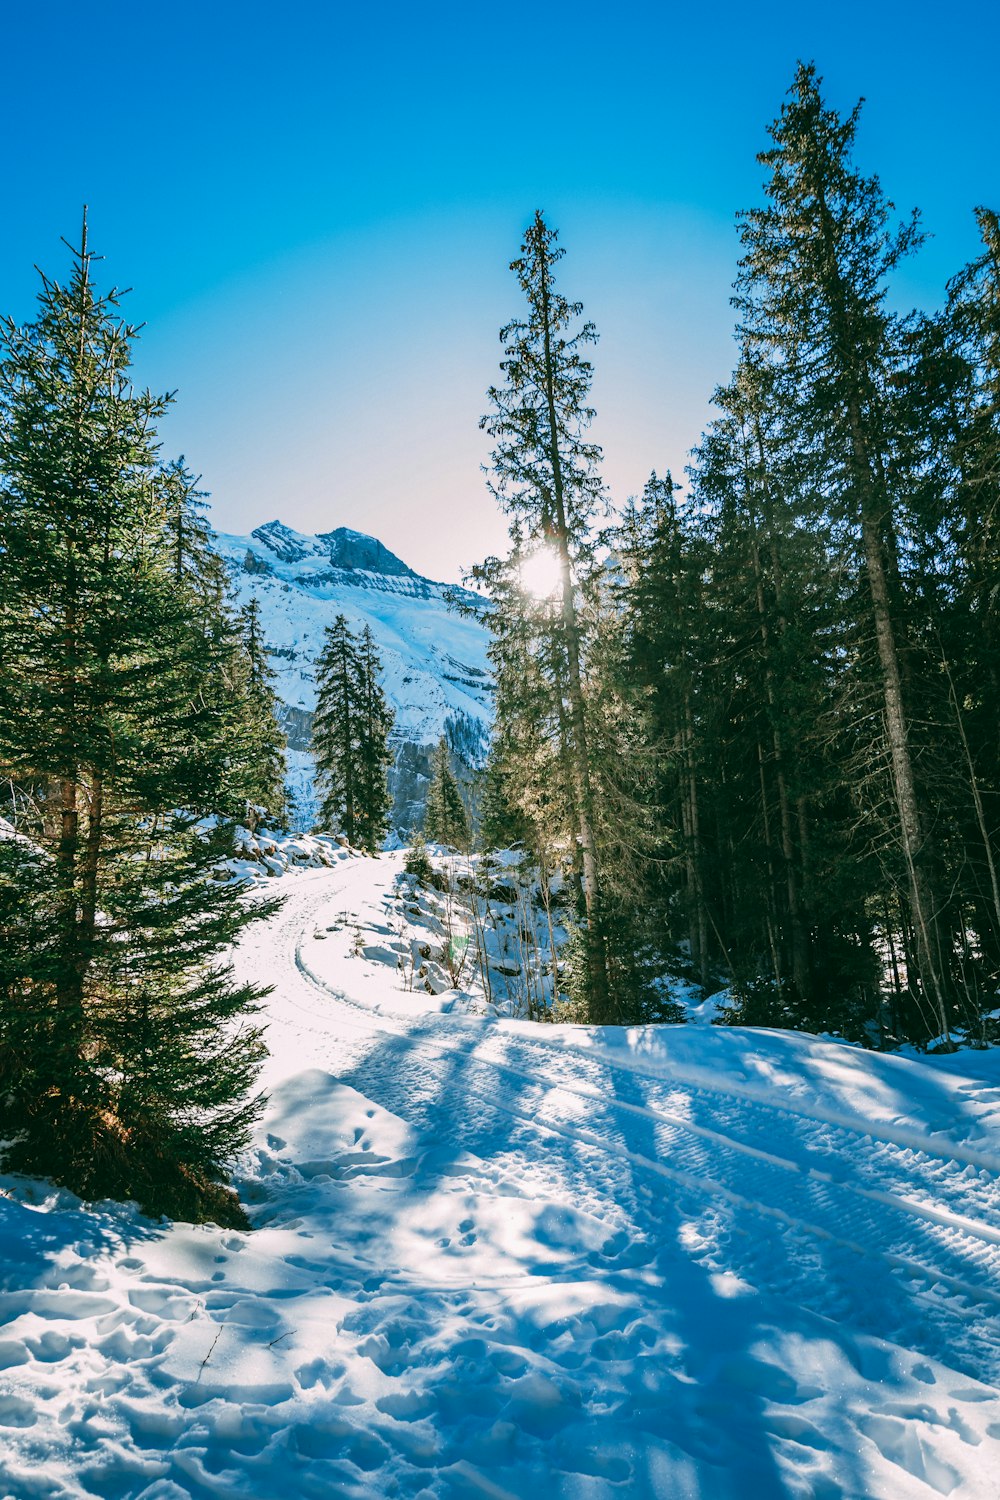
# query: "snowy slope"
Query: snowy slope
{"points": [[436, 671], [500, 1259]]}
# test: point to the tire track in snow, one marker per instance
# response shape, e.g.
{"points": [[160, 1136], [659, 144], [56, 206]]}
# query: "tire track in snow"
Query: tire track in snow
{"points": [[797, 1183], [830, 1194], [708, 1087], [875, 1242]]}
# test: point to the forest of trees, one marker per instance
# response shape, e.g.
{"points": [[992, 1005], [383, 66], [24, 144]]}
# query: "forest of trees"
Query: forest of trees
{"points": [[760, 721], [755, 721]]}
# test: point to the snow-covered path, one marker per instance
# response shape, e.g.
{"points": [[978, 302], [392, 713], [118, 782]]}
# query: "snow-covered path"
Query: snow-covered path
{"points": [[501, 1259]]}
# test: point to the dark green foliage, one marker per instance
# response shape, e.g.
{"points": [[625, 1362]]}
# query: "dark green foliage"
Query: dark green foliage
{"points": [[502, 825], [193, 561], [759, 1000], [785, 691], [376, 718], [417, 862], [336, 733], [545, 473], [254, 687], [127, 1051], [635, 966], [869, 406], [351, 732], [446, 820]]}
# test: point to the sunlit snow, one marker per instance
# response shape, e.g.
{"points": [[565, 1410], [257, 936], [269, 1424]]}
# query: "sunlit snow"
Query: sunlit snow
{"points": [[497, 1258]]}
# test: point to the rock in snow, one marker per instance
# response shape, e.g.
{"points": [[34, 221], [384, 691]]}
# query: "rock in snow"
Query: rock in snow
{"points": [[504, 1259], [437, 675]]}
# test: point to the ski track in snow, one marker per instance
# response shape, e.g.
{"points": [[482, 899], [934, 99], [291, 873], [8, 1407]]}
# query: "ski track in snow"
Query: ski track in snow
{"points": [[508, 1260]]}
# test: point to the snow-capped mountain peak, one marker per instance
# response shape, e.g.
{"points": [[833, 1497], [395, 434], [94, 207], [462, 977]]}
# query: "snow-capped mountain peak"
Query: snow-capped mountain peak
{"points": [[343, 549]]}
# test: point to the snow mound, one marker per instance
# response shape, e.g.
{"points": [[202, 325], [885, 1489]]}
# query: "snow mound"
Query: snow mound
{"points": [[262, 855]]}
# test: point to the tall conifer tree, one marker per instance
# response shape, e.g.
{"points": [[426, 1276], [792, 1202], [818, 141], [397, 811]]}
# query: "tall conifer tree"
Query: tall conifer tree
{"points": [[126, 1048], [254, 687], [545, 475], [813, 287]]}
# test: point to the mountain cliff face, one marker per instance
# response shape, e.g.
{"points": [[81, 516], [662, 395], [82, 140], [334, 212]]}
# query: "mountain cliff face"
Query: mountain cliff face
{"points": [[436, 672]]}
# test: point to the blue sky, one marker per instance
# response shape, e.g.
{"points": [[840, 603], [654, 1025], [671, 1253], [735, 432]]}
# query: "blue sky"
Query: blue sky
{"points": [[316, 207]]}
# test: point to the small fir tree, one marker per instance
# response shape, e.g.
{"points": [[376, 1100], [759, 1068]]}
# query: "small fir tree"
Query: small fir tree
{"points": [[376, 720], [446, 820], [260, 704], [336, 732]]}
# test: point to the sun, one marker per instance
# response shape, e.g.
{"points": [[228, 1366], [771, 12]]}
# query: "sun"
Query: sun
{"points": [[541, 573]]}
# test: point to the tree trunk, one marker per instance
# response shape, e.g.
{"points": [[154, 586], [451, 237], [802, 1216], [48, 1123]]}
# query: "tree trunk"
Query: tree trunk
{"points": [[921, 898], [798, 940], [699, 926], [348, 747], [878, 538], [597, 956]]}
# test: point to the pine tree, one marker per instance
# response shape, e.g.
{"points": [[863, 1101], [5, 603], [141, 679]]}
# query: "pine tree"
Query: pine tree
{"points": [[782, 707], [126, 1048], [633, 836], [337, 729], [446, 820], [254, 688], [194, 561], [813, 286], [968, 401], [528, 793], [376, 720], [545, 475], [351, 733], [501, 822], [658, 598]]}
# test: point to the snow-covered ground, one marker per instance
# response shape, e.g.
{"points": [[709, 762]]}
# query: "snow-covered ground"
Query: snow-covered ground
{"points": [[494, 1258]]}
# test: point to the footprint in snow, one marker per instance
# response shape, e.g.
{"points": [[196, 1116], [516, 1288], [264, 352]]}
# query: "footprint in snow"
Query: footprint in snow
{"points": [[15, 1412]]}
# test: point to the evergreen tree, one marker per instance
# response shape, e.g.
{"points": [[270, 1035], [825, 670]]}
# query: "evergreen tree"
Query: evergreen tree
{"points": [[813, 286], [446, 820], [659, 600], [376, 721], [528, 790], [194, 561], [545, 475], [337, 732], [783, 794], [351, 732], [634, 838], [967, 407], [501, 823], [764, 736], [126, 1048], [255, 688]]}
